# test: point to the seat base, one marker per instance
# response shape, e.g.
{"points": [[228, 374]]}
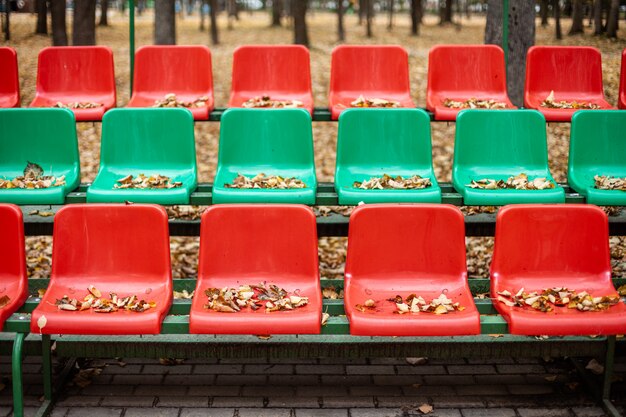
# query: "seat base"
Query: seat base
{"points": [[349, 195], [199, 113], [223, 195], [478, 197]]}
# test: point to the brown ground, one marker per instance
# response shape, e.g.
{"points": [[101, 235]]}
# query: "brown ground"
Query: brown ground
{"points": [[254, 29]]}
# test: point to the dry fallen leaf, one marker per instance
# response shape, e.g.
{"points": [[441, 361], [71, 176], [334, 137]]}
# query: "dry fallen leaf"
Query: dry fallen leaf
{"points": [[474, 103], [264, 337], [550, 378], [595, 367], [425, 408], [374, 102], [495, 335], [4, 301], [265, 102], [171, 361], [325, 317], [170, 100], [41, 323], [265, 182], [142, 182], [551, 103], [416, 361], [389, 182], [517, 182]]}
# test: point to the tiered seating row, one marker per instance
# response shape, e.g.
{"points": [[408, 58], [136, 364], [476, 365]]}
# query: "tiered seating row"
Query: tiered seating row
{"points": [[489, 144], [393, 250], [282, 72]]}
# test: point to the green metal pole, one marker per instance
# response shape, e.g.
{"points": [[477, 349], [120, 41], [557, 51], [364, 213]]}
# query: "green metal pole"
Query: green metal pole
{"points": [[505, 30], [131, 22], [16, 365], [47, 366]]}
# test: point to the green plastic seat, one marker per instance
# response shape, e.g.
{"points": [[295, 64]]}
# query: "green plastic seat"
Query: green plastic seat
{"points": [[273, 142], [146, 141], [498, 144], [46, 137], [374, 142], [597, 147]]}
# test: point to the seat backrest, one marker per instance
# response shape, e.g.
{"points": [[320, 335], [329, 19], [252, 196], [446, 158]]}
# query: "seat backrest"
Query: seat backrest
{"points": [[9, 81], [173, 68], [363, 68], [621, 101], [266, 139], [111, 243], [567, 70], [271, 68], [76, 69], [466, 70], [12, 255], [597, 146], [417, 241], [158, 139], [550, 243], [43, 136], [375, 139], [258, 242], [499, 142]]}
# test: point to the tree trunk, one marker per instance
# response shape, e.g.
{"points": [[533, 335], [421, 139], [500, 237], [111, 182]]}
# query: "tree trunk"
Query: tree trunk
{"points": [[164, 22], [390, 3], [42, 17], [544, 12], [84, 24], [141, 6], [59, 27], [361, 11], [277, 10], [104, 9], [521, 15], [215, 39], [122, 6], [445, 12], [416, 8], [301, 34], [612, 20], [341, 33], [202, 14], [369, 14], [557, 19], [597, 18], [577, 18]]}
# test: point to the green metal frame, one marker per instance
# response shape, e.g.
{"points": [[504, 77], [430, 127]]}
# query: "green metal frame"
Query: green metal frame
{"points": [[335, 341]]}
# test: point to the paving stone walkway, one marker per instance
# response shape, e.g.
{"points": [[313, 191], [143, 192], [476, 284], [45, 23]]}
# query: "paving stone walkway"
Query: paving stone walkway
{"points": [[320, 388]]}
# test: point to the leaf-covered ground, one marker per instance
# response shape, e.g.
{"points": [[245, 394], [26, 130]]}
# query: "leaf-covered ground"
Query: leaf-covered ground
{"points": [[254, 29]]}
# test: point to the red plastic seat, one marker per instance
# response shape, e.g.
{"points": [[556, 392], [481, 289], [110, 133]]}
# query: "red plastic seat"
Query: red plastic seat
{"points": [[621, 101], [183, 70], [122, 249], [69, 74], [248, 244], [574, 73], [546, 246], [371, 71], [407, 249], [282, 72], [462, 72], [9, 78], [13, 277]]}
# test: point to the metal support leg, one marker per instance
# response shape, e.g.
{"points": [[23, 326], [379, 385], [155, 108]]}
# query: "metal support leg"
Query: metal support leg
{"points": [[46, 357], [608, 377], [16, 364]]}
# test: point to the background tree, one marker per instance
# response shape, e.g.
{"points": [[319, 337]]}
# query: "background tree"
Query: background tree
{"points": [[390, 4], [214, 33], [612, 20], [84, 23], [104, 10], [203, 5], [577, 17], [368, 8], [341, 33], [557, 19], [298, 10], [59, 26], [598, 28], [231, 10], [164, 22], [42, 17], [416, 16], [521, 16], [445, 11], [277, 11]]}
